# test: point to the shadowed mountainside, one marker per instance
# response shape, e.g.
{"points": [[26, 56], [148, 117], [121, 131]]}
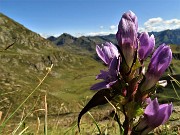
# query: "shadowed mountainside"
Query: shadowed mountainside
{"points": [[166, 36], [171, 37]]}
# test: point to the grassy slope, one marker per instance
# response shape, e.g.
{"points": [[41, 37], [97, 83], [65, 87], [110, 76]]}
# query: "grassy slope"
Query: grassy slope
{"points": [[66, 86]]}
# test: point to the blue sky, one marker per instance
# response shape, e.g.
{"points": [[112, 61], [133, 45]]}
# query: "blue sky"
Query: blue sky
{"points": [[90, 17]]}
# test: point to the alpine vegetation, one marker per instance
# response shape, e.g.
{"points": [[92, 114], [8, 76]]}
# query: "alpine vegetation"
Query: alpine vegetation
{"points": [[126, 84]]}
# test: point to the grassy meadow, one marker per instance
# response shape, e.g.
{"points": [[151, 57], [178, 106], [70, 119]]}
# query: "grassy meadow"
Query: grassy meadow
{"points": [[66, 88]]}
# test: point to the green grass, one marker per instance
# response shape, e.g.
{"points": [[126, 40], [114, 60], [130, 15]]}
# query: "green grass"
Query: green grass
{"points": [[22, 68], [66, 87]]}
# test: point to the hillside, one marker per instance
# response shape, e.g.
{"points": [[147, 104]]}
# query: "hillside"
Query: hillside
{"points": [[24, 56], [86, 45], [167, 36]]}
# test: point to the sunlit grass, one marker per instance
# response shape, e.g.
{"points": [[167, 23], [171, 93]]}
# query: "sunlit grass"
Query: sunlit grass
{"points": [[66, 87]]}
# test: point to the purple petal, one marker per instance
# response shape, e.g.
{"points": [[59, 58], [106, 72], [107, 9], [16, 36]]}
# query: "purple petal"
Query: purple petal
{"points": [[167, 112], [110, 51], [99, 85], [113, 50], [101, 54], [157, 120], [107, 52], [127, 36], [148, 100], [103, 75], [113, 65], [130, 16], [146, 45], [160, 61], [157, 114], [111, 84], [114, 69], [152, 108], [154, 116]]}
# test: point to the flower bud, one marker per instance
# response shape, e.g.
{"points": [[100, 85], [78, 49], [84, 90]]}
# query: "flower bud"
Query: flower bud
{"points": [[107, 52], [154, 115], [127, 36], [146, 45], [160, 61]]}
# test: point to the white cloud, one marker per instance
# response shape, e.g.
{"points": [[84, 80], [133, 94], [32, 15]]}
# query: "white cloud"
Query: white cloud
{"points": [[158, 24], [45, 35], [153, 21], [101, 33], [153, 24], [113, 27], [172, 21], [112, 30]]}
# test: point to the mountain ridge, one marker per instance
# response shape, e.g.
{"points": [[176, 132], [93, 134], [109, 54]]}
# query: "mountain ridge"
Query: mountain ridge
{"points": [[166, 36]]}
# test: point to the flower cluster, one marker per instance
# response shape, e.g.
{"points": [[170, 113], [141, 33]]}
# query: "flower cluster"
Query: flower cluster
{"points": [[126, 83]]}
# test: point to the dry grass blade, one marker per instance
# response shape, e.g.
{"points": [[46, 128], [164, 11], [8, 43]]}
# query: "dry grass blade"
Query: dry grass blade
{"points": [[21, 121], [4, 123], [38, 125], [45, 118], [23, 131]]}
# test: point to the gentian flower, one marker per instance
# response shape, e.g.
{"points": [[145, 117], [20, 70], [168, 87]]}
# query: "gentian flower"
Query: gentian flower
{"points": [[146, 45], [127, 36], [130, 83], [160, 61], [110, 77], [154, 115], [107, 52]]}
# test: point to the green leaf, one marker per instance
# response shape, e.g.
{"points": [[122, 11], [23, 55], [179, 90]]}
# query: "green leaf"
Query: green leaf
{"points": [[136, 65], [134, 109], [97, 99]]}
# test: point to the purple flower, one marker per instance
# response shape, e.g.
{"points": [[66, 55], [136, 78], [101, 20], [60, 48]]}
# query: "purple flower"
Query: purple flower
{"points": [[127, 36], [110, 77], [146, 45], [160, 61], [154, 115], [107, 52]]}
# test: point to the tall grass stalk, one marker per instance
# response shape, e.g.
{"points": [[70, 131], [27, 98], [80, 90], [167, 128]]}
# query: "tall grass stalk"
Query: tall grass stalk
{"points": [[97, 126], [178, 84], [117, 118], [72, 128], [175, 90], [13, 113], [94, 121], [24, 118], [23, 131], [45, 118], [20, 123], [38, 125]]}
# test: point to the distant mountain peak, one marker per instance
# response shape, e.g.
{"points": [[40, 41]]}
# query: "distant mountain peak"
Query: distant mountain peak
{"points": [[66, 35]]}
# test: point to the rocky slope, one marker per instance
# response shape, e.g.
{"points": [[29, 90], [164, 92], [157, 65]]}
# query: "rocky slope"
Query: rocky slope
{"points": [[24, 58]]}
